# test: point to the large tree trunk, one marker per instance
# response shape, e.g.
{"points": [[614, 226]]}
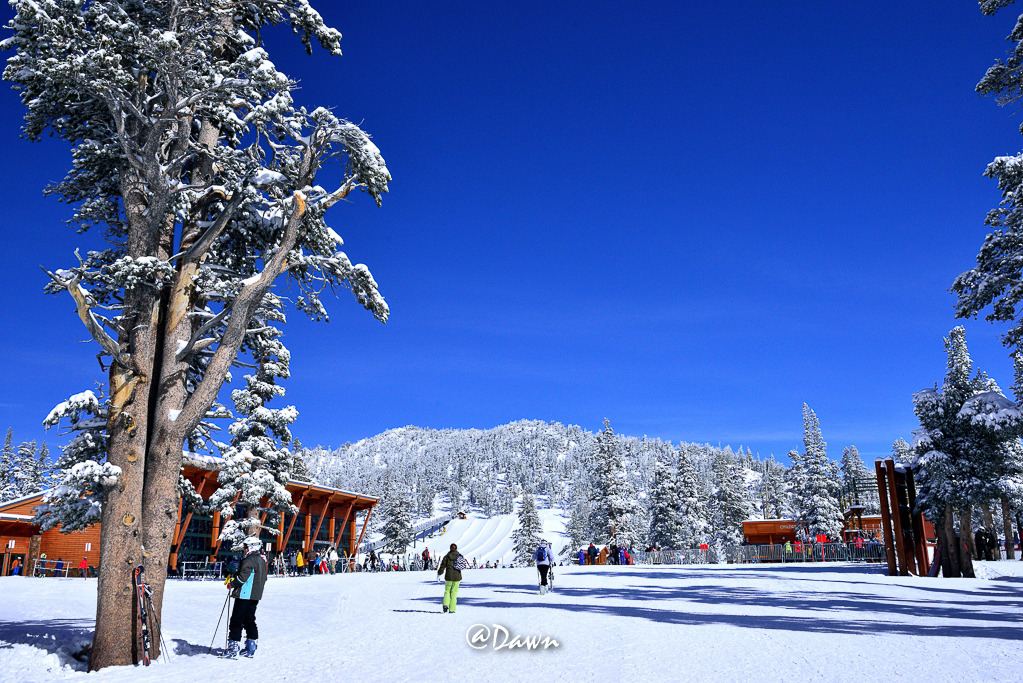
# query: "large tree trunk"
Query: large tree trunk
{"points": [[1010, 549], [117, 637], [947, 544], [966, 542]]}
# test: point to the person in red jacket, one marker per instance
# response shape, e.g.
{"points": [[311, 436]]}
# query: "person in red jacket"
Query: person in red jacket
{"points": [[83, 566]]}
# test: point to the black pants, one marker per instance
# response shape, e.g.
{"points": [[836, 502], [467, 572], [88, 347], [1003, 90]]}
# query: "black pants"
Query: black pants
{"points": [[244, 615], [544, 568]]}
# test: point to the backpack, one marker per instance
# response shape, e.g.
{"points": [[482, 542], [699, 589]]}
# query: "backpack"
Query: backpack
{"points": [[461, 563], [541, 554]]}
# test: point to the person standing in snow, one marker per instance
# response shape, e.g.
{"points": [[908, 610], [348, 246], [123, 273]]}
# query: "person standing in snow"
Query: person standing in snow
{"points": [[332, 559], [542, 557], [83, 566], [592, 553], [451, 567], [426, 559], [247, 589]]}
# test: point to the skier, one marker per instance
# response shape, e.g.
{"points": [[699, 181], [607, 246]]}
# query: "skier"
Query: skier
{"points": [[247, 589], [582, 557], [542, 557], [451, 567]]}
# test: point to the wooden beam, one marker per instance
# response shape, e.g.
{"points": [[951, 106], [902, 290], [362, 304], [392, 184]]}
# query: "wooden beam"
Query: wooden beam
{"points": [[183, 525], [319, 524], [369, 513], [917, 520], [291, 525], [896, 512], [341, 529], [886, 520]]}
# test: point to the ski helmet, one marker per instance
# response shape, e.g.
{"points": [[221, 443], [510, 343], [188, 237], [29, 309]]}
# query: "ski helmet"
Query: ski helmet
{"points": [[251, 542]]}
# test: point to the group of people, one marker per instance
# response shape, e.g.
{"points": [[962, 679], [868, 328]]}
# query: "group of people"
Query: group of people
{"points": [[326, 562], [611, 554], [59, 567], [988, 546]]}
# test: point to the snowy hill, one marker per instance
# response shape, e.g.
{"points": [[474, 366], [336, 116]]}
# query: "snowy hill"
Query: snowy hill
{"points": [[490, 539]]}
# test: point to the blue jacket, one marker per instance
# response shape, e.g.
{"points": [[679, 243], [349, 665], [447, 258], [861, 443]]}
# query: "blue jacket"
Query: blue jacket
{"points": [[248, 582]]}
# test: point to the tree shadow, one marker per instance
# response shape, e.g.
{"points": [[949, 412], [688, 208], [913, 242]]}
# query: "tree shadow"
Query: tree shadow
{"points": [[69, 639]]}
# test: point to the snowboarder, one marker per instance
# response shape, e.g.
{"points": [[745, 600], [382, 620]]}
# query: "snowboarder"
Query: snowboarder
{"points": [[451, 567], [542, 557], [247, 589]]}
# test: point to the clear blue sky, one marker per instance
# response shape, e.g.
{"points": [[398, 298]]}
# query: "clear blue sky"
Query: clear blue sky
{"points": [[689, 218]]}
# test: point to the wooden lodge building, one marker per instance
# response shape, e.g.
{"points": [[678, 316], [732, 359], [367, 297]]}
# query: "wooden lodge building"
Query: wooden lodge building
{"points": [[326, 516]]}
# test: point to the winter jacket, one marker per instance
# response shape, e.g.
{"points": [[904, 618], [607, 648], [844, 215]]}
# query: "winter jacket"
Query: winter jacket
{"points": [[582, 557], [447, 566], [248, 583], [299, 561], [592, 552], [547, 555]]}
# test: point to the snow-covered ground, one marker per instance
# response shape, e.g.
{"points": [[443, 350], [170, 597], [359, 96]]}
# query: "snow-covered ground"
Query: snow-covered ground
{"points": [[834, 622]]}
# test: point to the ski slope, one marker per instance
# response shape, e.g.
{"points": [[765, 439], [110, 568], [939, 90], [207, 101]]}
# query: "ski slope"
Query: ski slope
{"points": [[490, 539]]}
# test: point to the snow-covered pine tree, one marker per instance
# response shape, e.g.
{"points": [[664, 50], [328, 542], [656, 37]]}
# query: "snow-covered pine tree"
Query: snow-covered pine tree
{"points": [[8, 469], [614, 506], [397, 524], [666, 524], [729, 503], [257, 463], [578, 527], [996, 278], [693, 518], [84, 475], [961, 450], [859, 484], [815, 481], [529, 533], [190, 154]]}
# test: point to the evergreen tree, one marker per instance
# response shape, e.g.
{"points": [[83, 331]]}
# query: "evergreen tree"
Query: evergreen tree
{"points": [[666, 523], [8, 469], [529, 533], [614, 516], [191, 156], [578, 528], [729, 503], [397, 527], [859, 484], [257, 463], [84, 475], [692, 510], [962, 450], [815, 481]]}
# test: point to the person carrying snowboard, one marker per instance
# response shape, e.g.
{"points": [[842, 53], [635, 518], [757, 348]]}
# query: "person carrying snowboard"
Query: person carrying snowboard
{"points": [[247, 589], [451, 567], [542, 557]]}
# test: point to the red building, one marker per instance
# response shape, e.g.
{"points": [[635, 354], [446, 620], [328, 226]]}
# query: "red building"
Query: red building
{"points": [[326, 516]]}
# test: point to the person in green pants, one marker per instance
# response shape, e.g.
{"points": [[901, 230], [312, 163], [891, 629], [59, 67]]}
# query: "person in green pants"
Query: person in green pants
{"points": [[451, 567]]}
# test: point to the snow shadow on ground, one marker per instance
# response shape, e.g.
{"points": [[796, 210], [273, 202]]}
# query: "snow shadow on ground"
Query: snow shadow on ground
{"points": [[859, 613], [186, 649], [67, 638]]}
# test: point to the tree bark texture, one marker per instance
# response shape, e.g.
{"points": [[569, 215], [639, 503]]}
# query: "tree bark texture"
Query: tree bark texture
{"points": [[947, 540], [966, 543], [1010, 547]]}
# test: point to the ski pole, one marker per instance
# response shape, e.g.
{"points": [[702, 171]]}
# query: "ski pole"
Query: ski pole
{"points": [[227, 628], [217, 629]]}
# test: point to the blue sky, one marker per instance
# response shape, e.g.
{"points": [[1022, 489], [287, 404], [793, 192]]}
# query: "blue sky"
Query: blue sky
{"points": [[689, 218]]}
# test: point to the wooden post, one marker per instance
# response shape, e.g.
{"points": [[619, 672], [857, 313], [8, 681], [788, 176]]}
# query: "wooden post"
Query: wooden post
{"points": [[319, 524], [369, 513], [307, 527], [183, 524], [341, 529], [291, 524], [886, 518], [919, 540], [901, 555], [280, 534]]}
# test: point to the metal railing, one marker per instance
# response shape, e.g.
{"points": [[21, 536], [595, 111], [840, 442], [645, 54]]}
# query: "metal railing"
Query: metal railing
{"points": [[806, 552], [50, 568], [200, 571], [777, 553], [689, 556]]}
